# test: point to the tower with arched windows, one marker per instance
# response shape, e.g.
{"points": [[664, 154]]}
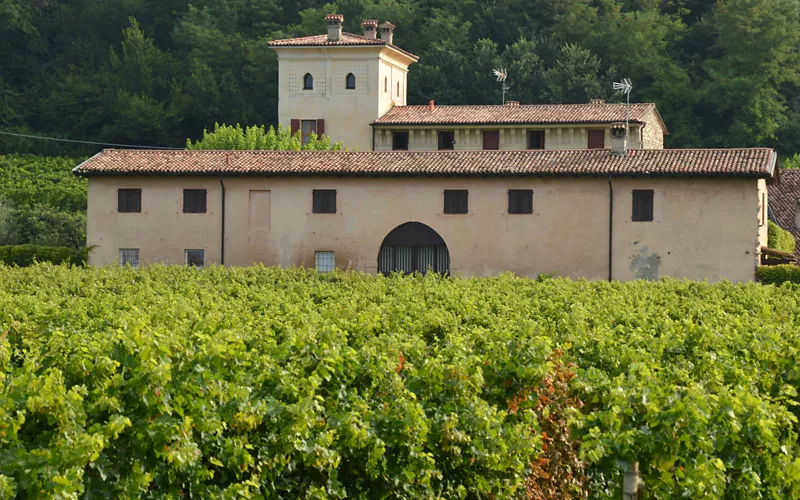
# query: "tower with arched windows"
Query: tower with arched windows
{"points": [[339, 83]]}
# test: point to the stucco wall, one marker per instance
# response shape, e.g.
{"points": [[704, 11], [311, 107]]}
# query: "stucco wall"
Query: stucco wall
{"points": [[348, 113], [703, 228], [511, 138]]}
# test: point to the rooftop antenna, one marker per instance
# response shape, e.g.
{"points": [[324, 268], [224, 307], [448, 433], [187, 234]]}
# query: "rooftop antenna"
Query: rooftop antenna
{"points": [[626, 87], [501, 75]]}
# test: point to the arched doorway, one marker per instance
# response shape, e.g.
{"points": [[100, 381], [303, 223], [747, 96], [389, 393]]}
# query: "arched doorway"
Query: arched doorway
{"points": [[413, 247]]}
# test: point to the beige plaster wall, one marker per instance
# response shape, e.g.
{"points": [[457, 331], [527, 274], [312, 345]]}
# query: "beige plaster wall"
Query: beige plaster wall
{"points": [[511, 138], [703, 228], [348, 113]]}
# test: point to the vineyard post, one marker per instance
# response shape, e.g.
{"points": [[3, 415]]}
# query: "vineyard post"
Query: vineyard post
{"points": [[630, 487]]}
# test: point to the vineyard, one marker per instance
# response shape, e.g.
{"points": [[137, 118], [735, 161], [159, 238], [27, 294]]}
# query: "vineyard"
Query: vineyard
{"points": [[267, 383]]}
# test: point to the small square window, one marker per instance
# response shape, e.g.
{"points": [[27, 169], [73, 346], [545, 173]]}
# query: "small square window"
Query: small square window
{"points": [[194, 201], [447, 139], [642, 205], [491, 139], [129, 200], [325, 261], [520, 201], [400, 141], [129, 257], [535, 139], [195, 257], [324, 201], [456, 201]]}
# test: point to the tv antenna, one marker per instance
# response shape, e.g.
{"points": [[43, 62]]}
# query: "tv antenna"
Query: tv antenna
{"points": [[501, 75], [626, 87]]}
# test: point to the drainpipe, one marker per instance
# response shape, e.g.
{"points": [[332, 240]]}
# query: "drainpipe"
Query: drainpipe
{"points": [[373, 137], [610, 228], [222, 235]]}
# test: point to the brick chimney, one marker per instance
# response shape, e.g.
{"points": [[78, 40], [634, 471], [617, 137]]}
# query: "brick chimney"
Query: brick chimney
{"points": [[431, 105], [334, 22], [370, 27], [619, 144], [387, 32], [597, 101]]}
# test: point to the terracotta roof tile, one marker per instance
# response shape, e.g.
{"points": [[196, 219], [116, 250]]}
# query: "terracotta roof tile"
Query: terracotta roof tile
{"points": [[346, 40], [513, 114], [676, 162], [784, 198]]}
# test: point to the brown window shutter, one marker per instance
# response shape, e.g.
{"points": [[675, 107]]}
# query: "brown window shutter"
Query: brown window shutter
{"points": [[597, 139], [491, 139], [295, 126], [320, 126]]}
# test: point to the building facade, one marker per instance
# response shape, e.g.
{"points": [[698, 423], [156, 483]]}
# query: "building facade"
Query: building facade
{"points": [[695, 214], [784, 204]]}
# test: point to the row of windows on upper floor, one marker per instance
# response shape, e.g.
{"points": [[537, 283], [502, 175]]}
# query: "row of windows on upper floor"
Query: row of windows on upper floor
{"points": [[456, 201], [491, 139], [349, 83]]}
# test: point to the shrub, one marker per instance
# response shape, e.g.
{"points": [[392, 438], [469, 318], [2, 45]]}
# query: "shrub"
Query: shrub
{"points": [[775, 275], [780, 239], [42, 226], [26, 255]]}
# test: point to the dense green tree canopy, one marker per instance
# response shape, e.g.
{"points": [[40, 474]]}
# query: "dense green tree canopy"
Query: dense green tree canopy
{"points": [[155, 72]]}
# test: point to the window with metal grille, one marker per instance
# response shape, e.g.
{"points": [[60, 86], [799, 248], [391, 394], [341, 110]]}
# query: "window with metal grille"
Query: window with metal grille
{"points": [[520, 201], [350, 81], [400, 141], [456, 201], [129, 200], [325, 261], [194, 201], [535, 139], [129, 257], [324, 201], [642, 205], [195, 257]]}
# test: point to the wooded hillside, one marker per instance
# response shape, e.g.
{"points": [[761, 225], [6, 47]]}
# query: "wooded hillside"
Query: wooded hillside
{"points": [[154, 72]]}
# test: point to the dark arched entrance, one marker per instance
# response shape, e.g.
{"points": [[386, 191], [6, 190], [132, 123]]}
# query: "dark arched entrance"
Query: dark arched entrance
{"points": [[413, 247]]}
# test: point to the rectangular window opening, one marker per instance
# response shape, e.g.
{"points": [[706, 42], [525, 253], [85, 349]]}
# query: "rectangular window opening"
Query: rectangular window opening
{"points": [[400, 141], [129, 257], [194, 201], [642, 205], [456, 201], [129, 200], [491, 139], [324, 201], [447, 139], [307, 128], [535, 139], [195, 257], [520, 201], [597, 139], [325, 261]]}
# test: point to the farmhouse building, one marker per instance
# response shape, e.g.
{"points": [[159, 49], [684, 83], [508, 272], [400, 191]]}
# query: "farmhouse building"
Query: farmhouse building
{"points": [[784, 204], [469, 190]]}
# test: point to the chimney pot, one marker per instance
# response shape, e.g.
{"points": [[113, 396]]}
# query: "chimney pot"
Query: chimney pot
{"points": [[512, 103], [597, 101], [387, 32], [619, 143], [431, 105], [370, 27], [334, 22]]}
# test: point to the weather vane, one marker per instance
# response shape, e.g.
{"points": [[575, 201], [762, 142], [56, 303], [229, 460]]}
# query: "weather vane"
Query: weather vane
{"points": [[501, 75]]}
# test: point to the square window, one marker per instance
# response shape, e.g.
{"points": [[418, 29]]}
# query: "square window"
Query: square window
{"points": [[520, 201], [325, 261], [129, 200], [597, 138], [195, 258], [194, 201], [642, 205], [447, 139], [535, 139], [324, 201], [129, 257], [400, 141], [456, 201], [491, 139]]}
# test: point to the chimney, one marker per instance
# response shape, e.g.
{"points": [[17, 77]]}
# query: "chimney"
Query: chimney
{"points": [[512, 103], [370, 28], [334, 22], [597, 101], [431, 105], [619, 144], [387, 32]]}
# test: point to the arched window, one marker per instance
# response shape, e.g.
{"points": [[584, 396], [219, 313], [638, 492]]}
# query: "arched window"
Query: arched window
{"points": [[398, 89], [385, 84], [308, 82], [350, 81]]}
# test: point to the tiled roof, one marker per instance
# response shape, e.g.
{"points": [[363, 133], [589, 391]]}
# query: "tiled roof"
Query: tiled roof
{"points": [[514, 114], [675, 162], [322, 41], [784, 197]]}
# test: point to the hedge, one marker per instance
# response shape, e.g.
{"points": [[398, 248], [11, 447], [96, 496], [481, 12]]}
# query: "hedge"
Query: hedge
{"points": [[26, 255], [775, 275], [780, 239]]}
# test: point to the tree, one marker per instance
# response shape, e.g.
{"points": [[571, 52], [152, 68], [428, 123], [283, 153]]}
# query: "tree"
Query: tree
{"points": [[258, 138]]}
